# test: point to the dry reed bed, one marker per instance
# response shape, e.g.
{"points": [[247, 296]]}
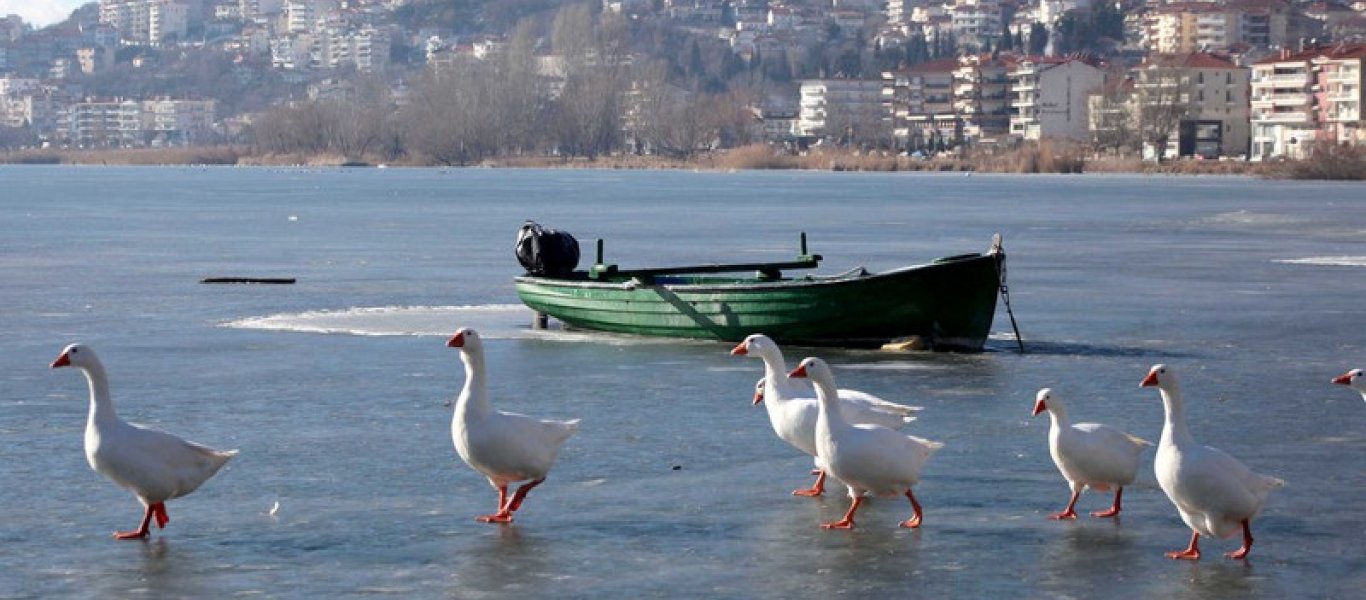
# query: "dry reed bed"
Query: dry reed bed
{"points": [[1331, 162]]}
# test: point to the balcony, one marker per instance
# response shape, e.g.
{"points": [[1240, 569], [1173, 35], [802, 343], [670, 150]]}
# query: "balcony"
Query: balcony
{"points": [[1282, 100], [1284, 78], [1281, 117]]}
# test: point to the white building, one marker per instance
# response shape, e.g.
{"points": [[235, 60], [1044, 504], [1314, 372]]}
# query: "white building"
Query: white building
{"points": [[145, 22], [976, 22], [177, 122], [1311, 96], [836, 108], [1050, 97], [299, 16], [166, 20], [367, 48]]}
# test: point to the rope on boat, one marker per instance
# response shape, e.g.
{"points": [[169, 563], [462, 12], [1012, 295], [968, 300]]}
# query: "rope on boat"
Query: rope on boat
{"points": [[1005, 289]]}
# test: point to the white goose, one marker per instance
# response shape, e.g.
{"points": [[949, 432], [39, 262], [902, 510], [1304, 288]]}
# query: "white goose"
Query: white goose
{"points": [[1214, 492], [870, 459], [154, 465], [505, 447], [1088, 454], [1355, 379], [792, 405]]}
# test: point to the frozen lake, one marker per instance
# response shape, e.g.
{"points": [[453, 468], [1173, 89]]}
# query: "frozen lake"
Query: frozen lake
{"points": [[336, 389]]}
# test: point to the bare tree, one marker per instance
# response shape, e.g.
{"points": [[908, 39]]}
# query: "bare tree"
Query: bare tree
{"points": [[292, 128], [587, 114], [1162, 99], [450, 118], [519, 95], [356, 122], [1113, 118], [572, 36]]}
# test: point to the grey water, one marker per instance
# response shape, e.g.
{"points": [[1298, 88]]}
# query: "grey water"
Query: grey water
{"points": [[337, 389]]}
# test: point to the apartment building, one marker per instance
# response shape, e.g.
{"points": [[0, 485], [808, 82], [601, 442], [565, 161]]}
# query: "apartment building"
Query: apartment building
{"points": [[146, 22], [120, 123], [976, 22], [1186, 27], [166, 20], [981, 96], [332, 47], [1302, 97], [898, 11], [166, 121], [1049, 95], [105, 124], [1206, 96], [1340, 80], [840, 109], [919, 101]]}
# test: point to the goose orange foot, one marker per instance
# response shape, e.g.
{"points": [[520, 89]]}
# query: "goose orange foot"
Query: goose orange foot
{"points": [[502, 517], [817, 488], [1191, 552], [141, 531]]}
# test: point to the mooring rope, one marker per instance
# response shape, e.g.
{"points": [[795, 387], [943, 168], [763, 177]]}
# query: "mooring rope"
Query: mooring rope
{"points": [[1005, 289]]}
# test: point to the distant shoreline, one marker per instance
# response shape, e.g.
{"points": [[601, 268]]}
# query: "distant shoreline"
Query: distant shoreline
{"points": [[740, 160]]}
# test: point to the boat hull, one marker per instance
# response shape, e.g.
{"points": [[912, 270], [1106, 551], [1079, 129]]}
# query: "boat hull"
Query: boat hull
{"points": [[949, 303]]}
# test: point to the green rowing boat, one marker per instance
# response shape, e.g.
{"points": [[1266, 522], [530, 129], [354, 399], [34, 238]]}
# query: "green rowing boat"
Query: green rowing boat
{"points": [[948, 303]]}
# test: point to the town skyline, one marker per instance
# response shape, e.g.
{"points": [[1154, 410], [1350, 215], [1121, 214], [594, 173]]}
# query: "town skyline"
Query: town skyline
{"points": [[678, 78]]}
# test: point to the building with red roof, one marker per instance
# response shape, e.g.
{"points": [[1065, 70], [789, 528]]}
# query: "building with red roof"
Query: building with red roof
{"points": [[1308, 96]]}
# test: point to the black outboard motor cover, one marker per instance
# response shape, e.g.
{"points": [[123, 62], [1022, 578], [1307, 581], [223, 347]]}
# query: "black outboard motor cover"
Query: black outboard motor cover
{"points": [[546, 252]]}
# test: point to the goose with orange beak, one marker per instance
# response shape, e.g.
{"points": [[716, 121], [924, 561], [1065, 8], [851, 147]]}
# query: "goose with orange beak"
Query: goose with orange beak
{"points": [[504, 447], [156, 466], [792, 407], [1216, 494], [1089, 455], [1355, 379], [869, 459]]}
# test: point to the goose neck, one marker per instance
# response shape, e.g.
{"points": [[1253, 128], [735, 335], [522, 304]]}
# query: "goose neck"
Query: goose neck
{"points": [[828, 398], [1058, 418], [775, 371], [474, 398], [101, 404], [1174, 429]]}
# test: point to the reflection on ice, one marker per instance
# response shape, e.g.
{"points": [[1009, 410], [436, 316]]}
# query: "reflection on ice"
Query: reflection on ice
{"points": [[492, 320], [1326, 261]]}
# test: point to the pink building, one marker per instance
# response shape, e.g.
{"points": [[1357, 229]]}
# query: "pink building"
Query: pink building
{"points": [[1304, 97]]}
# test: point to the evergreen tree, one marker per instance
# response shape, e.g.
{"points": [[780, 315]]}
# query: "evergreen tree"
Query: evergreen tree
{"points": [[696, 66], [1038, 38]]}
